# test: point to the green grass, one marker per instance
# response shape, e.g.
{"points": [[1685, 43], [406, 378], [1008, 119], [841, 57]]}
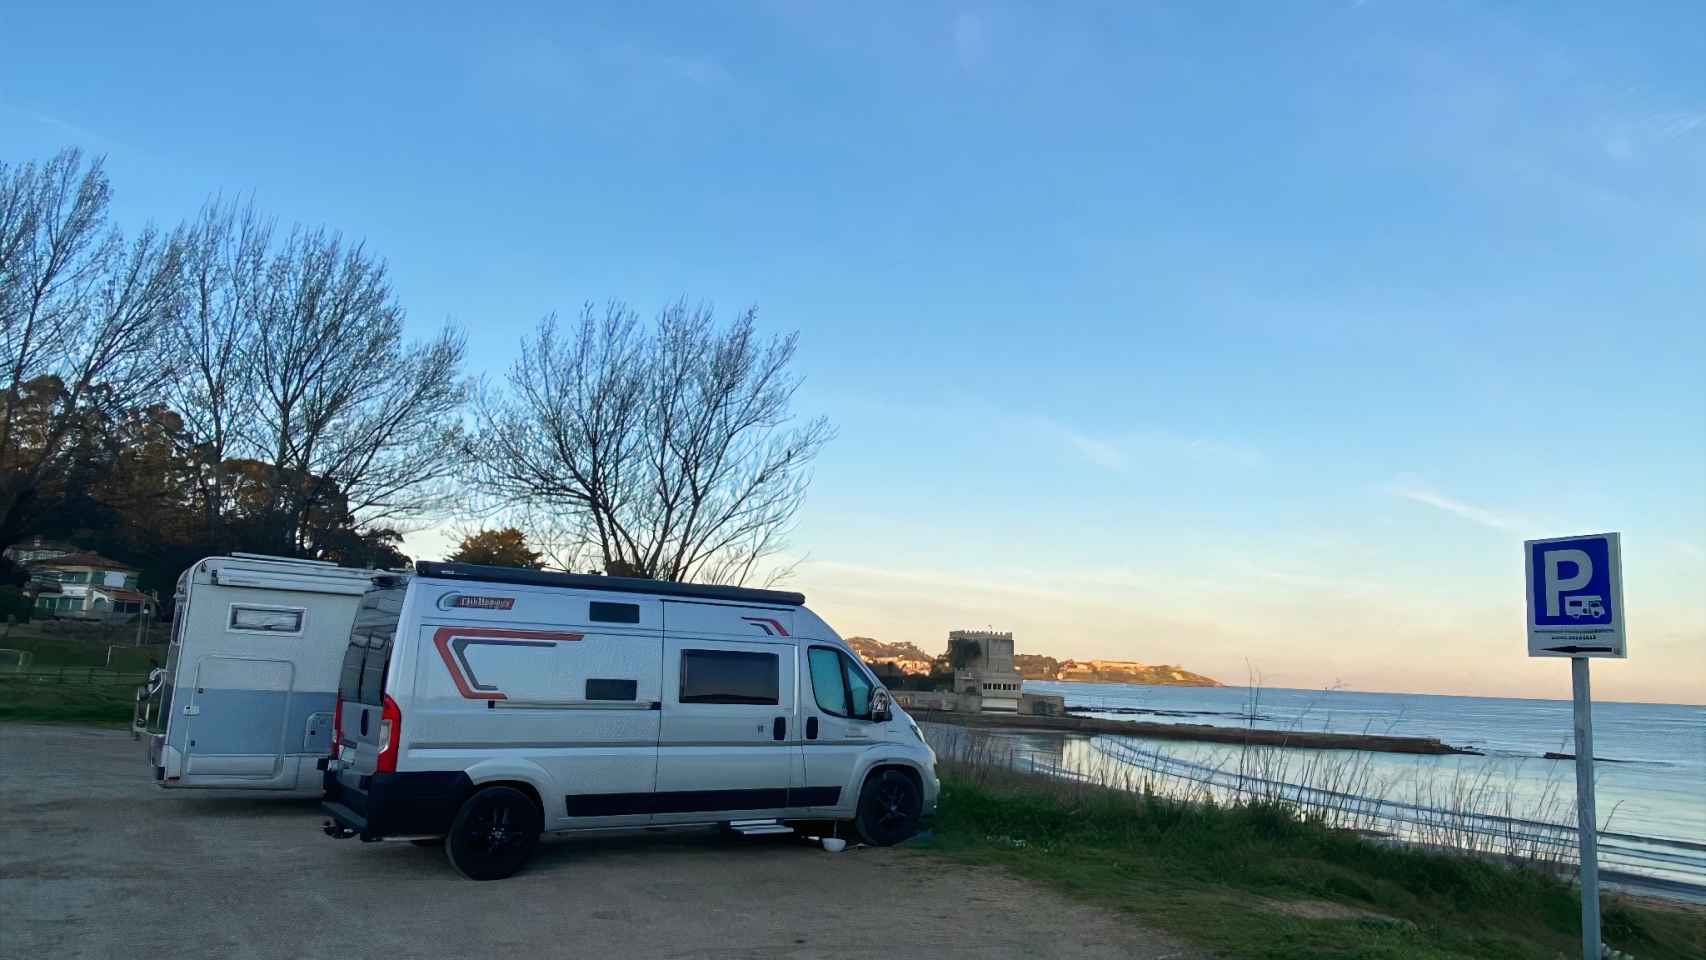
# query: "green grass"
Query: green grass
{"points": [[42, 699], [1256, 882], [85, 647], [71, 677]]}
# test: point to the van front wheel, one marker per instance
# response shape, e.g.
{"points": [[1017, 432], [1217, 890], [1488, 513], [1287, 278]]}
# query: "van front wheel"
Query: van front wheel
{"points": [[889, 807], [493, 834]]}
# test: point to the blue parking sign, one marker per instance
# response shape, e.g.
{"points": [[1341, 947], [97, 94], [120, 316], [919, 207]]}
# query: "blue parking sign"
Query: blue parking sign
{"points": [[1575, 597]]}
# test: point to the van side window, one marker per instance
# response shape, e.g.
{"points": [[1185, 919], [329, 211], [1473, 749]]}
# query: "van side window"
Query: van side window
{"points": [[730, 676], [601, 612], [266, 619], [827, 685], [601, 688]]}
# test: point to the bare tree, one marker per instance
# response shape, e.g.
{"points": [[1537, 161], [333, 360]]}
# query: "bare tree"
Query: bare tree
{"points": [[215, 326], [665, 452], [81, 315], [351, 417]]}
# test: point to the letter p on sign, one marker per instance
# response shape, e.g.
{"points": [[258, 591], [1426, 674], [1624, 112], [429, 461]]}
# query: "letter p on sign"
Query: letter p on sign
{"points": [[1575, 596], [1556, 583]]}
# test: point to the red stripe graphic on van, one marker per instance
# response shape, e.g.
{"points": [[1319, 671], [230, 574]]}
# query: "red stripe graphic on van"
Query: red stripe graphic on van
{"points": [[771, 628], [451, 642]]}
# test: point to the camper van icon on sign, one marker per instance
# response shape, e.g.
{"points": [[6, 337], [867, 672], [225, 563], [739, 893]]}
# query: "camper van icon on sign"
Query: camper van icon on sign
{"points": [[1583, 605]]}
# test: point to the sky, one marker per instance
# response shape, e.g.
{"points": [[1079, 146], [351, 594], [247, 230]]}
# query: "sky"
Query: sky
{"points": [[1249, 337]]}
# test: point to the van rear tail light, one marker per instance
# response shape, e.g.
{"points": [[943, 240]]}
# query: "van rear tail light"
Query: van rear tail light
{"points": [[390, 731]]}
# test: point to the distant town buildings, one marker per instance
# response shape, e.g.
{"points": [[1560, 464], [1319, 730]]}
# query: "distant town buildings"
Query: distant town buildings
{"points": [[901, 658]]}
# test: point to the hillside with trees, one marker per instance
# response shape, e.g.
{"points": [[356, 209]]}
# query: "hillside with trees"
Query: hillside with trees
{"points": [[906, 662], [1121, 671], [906, 657]]}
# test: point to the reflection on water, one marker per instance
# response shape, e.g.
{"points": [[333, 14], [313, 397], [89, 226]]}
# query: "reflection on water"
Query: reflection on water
{"points": [[1655, 790], [1500, 803]]}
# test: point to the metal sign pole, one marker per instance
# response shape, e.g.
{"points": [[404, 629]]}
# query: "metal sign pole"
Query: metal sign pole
{"points": [[1586, 819]]}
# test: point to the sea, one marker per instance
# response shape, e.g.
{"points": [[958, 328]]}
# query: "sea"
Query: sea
{"points": [[1650, 776]]}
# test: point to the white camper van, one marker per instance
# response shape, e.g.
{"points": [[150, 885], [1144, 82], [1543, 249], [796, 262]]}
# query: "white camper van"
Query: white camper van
{"points": [[485, 705], [247, 694]]}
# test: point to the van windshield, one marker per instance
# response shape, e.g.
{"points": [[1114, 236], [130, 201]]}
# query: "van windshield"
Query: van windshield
{"points": [[369, 650]]}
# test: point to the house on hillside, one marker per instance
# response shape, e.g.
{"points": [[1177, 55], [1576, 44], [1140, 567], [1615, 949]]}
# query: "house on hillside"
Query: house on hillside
{"points": [[85, 585]]}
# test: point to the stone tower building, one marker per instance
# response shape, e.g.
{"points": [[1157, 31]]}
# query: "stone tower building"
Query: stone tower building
{"points": [[991, 676]]}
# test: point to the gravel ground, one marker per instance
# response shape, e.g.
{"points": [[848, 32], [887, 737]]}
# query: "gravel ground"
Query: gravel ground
{"points": [[95, 861]]}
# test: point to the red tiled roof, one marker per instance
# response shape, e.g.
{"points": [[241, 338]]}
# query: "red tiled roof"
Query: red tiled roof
{"points": [[122, 594], [85, 559]]}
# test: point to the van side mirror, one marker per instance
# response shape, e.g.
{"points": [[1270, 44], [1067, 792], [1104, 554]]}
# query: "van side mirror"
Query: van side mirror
{"points": [[881, 707]]}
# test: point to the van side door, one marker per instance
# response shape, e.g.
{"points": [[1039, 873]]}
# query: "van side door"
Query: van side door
{"points": [[728, 741]]}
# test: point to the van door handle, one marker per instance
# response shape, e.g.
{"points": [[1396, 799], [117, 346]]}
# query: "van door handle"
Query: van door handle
{"points": [[779, 728], [811, 728], [191, 710]]}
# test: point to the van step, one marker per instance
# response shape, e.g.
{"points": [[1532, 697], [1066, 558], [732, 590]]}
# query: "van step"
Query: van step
{"points": [[758, 828]]}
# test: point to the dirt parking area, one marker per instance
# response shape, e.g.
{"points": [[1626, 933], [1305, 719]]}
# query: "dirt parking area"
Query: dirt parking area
{"points": [[95, 861]]}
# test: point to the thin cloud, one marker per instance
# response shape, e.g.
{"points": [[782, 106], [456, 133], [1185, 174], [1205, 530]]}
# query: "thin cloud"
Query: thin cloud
{"points": [[1120, 452], [1633, 137], [1102, 453], [1417, 493], [82, 134], [1691, 550]]}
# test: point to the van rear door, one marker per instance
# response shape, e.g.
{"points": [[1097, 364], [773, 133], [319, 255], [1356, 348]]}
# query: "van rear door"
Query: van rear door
{"points": [[361, 683]]}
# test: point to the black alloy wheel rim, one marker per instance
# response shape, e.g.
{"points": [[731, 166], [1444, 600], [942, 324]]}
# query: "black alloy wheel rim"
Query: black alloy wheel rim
{"points": [[894, 802], [494, 831]]}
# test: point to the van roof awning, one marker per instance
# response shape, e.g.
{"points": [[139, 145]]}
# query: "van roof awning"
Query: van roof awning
{"points": [[592, 581]]}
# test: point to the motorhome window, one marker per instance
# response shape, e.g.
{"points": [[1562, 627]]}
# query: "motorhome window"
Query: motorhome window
{"points": [[614, 612], [730, 676], [828, 686], [603, 689], [266, 619]]}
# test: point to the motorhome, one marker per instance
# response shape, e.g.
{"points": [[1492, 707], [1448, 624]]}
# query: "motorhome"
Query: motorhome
{"points": [[1584, 605], [246, 696], [486, 705]]}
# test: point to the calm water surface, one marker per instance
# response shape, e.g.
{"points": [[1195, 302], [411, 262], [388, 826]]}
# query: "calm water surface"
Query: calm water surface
{"points": [[1658, 789]]}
